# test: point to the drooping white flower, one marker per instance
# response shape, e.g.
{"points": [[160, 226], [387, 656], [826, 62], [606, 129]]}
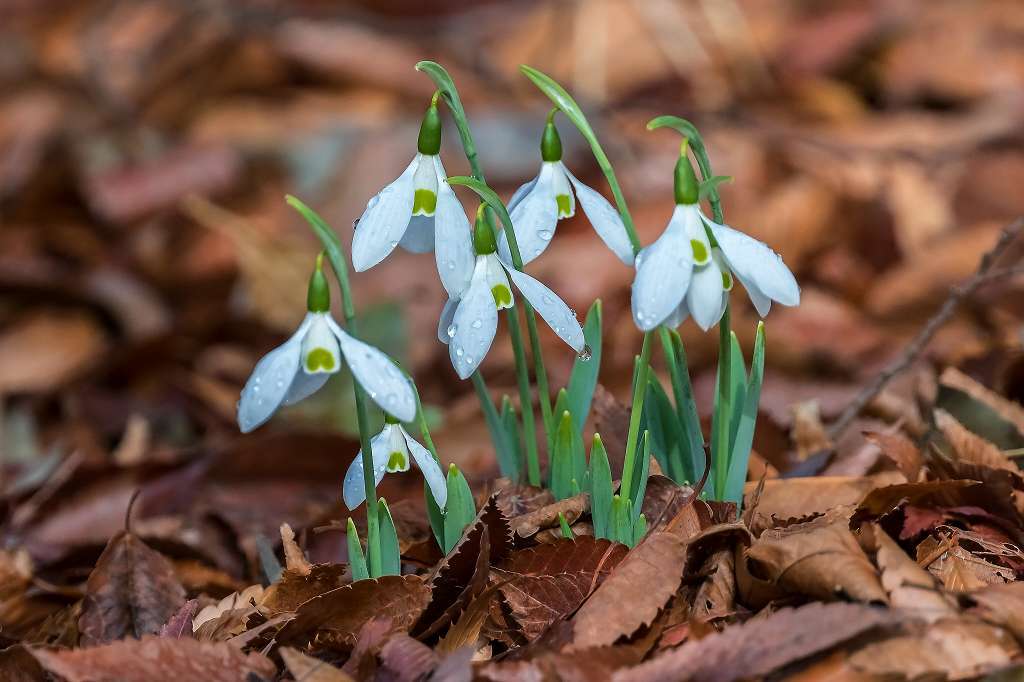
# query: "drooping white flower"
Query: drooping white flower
{"points": [[682, 274], [469, 322], [420, 212], [392, 450], [537, 206], [301, 365]]}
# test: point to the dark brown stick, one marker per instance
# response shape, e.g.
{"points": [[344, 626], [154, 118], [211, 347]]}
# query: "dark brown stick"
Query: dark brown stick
{"points": [[984, 275]]}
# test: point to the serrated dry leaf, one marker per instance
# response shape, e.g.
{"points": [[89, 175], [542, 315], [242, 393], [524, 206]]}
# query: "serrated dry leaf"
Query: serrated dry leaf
{"points": [[909, 586], [156, 658], [783, 499], [819, 559], [294, 589], [132, 592], [633, 594]]}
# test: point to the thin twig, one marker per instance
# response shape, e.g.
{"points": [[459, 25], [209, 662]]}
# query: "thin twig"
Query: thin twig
{"points": [[984, 275]]}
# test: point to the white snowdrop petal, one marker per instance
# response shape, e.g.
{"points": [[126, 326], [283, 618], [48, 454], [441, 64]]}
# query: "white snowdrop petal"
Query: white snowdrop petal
{"points": [[560, 187], [533, 219], [384, 221], [270, 381], [755, 263], [419, 235], [762, 303], [678, 315], [444, 324], [304, 386], [354, 489], [431, 470], [378, 375], [521, 192], [605, 220], [704, 297], [552, 308], [474, 323], [662, 276], [454, 238]]}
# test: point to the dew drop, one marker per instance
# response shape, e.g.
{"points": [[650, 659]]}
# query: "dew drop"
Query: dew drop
{"points": [[280, 383], [452, 329], [469, 360], [256, 389], [544, 234], [477, 324], [459, 352], [585, 354], [547, 299], [451, 265]]}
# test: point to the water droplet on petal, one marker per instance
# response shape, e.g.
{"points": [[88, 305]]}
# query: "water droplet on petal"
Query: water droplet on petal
{"points": [[477, 324], [459, 352], [469, 360], [547, 299], [544, 234], [451, 265], [585, 354], [256, 389], [452, 330]]}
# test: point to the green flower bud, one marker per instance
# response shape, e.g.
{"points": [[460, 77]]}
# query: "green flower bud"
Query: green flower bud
{"points": [[550, 142], [318, 298], [686, 185], [429, 141], [483, 235], [389, 419]]}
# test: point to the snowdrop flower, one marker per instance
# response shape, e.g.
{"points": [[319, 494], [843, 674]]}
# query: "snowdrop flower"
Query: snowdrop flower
{"points": [[469, 321], [537, 206], [392, 449], [689, 270], [301, 365], [420, 212]]}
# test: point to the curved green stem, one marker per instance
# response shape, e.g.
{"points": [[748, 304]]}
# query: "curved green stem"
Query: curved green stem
{"points": [[336, 255], [450, 93]]}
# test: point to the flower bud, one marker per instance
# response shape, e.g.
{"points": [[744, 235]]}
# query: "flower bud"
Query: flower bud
{"points": [[550, 142], [483, 235]]}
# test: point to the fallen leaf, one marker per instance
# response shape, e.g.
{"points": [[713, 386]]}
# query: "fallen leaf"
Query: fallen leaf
{"points": [[800, 498], [180, 624], [406, 659], [294, 589], [132, 592], [909, 586], [573, 508], [295, 560], [156, 658], [761, 646], [1008, 429], [309, 669], [618, 607], [971, 448], [43, 352], [901, 450], [819, 559]]}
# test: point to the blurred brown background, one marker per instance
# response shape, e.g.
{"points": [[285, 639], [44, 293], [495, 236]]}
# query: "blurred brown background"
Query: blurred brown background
{"points": [[147, 258]]}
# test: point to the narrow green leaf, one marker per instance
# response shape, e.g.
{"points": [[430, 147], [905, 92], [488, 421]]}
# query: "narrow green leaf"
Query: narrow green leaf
{"points": [[503, 446], [711, 185], [700, 152], [600, 487], [562, 459], [460, 509], [564, 525], [666, 432], [390, 561], [562, 99], [583, 379], [621, 520], [268, 560], [738, 378], [450, 93], [640, 483], [639, 529], [486, 194], [435, 515], [745, 431], [328, 238], [690, 417], [356, 560], [513, 469]]}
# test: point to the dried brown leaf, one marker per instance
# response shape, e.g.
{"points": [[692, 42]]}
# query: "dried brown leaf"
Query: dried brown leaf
{"points": [[1008, 410], [909, 586], [406, 659], [132, 592], [1002, 604], [901, 450], [309, 669], [156, 658], [799, 498], [547, 516], [761, 646], [819, 559], [295, 559], [971, 448], [294, 589], [579, 555], [633, 594]]}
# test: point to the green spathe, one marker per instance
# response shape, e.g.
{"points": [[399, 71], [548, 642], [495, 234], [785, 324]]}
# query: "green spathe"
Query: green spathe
{"points": [[429, 140], [318, 296]]}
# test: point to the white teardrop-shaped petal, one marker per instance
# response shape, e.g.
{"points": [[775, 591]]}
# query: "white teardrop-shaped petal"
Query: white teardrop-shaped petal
{"points": [[497, 282], [454, 238], [605, 219], [521, 192], [550, 307], [754, 263], [320, 354], [354, 488], [562, 190], [533, 219], [445, 330], [704, 297], [304, 386], [474, 324], [378, 375], [678, 316], [431, 470], [396, 446], [384, 221], [663, 274], [762, 304], [419, 235], [270, 381]]}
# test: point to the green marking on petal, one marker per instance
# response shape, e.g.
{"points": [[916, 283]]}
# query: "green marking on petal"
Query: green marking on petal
{"points": [[397, 462], [726, 280], [564, 205], [424, 202], [700, 251], [502, 296], [319, 359]]}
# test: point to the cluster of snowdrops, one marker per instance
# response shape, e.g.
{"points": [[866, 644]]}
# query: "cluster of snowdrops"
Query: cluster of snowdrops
{"points": [[688, 272]]}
